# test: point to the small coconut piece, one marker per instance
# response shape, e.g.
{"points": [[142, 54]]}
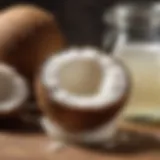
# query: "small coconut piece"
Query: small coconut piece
{"points": [[27, 35], [13, 90], [81, 92]]}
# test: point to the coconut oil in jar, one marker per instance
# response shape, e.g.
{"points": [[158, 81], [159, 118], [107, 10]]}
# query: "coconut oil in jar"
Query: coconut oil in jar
{"points": [[144, 66], [138, 47]]}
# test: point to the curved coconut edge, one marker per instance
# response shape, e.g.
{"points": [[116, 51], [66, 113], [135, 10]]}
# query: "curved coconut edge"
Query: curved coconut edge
{"points": [[113, 81], [17, 93]]}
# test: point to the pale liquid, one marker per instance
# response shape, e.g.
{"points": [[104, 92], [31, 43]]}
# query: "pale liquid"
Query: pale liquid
{"points": [[144, 68]]}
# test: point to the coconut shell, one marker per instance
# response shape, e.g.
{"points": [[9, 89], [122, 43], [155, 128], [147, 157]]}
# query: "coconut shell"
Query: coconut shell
{"points": [[77, 120], [28, 34]]}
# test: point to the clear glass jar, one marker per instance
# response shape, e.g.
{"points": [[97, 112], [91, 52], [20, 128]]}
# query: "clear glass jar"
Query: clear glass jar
{"points": [[137, 44]]}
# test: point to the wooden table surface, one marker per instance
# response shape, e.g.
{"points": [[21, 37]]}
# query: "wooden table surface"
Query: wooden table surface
{"points": [[36, 146]]}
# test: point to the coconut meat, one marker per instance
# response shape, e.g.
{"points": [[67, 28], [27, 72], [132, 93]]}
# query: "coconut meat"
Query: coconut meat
{"points": [[84, 78], [13, 89]]}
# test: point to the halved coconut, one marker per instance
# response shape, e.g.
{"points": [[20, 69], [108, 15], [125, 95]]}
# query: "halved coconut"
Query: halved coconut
{"points": [[82, 89], [27, 35], [13, 90]]}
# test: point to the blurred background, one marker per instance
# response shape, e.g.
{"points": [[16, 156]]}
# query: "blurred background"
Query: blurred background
{"points": [[80, 20]]}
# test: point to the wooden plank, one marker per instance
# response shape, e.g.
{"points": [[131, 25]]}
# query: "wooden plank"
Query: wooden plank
{"points": [[32, 146]]}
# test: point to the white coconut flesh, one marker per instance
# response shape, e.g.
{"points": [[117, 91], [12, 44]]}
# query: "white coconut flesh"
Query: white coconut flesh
{"points": [[84, 78], [13, 89]]}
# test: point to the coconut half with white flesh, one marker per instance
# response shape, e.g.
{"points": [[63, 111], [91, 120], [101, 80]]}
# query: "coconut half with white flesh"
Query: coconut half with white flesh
{"points": [[82, 90], [13, 90]]}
